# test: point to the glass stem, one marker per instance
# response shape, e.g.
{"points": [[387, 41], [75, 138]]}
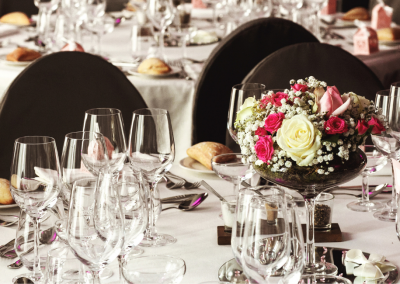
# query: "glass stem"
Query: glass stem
{"points": [[36, 259], [121, 259], [151, 231], [310, 248], [96, 277], [393, 205], [161, 42], [365, 189], [98, 44], [42, 26]]}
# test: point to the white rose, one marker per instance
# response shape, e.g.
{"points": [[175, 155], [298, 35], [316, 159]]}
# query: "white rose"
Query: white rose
{"points": [[300, 139], [246, 109]]}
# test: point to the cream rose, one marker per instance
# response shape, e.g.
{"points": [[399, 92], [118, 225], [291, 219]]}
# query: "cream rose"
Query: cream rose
{"points": [[358, 102], [246, 109], [300, 139]]}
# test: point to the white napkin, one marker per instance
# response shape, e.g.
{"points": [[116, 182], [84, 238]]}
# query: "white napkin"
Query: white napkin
{"points": [[193, 70], [47, 176], [6, 30]]}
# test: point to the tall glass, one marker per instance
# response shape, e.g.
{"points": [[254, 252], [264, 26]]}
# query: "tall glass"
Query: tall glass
{"points": [[46, 7], [109, 122], [315, 6], [151, 153], [239, 94], [35, 184]]}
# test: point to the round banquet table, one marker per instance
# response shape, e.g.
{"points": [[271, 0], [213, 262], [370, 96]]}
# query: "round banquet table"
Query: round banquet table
{"points": [[196, 231]]}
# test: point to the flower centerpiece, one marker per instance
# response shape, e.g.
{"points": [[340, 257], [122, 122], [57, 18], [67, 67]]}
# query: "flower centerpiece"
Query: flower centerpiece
{"points": [[307, 135]]}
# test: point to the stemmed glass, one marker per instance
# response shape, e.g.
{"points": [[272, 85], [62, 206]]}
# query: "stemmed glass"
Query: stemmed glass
{"points": [[35, 184], [94, 13], [315, 6], [109, 122], [46, 7], [74, 10], [213, 5], [161, 13], [231, 168], [239, 94], [95, 229], [376, 161], [388, 145], [266, 235], [292, 6], [151, 153]]}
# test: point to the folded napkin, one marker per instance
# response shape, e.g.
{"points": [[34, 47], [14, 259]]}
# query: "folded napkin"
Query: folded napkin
{"points": [[6, 30], [368, 270], [193, 70]]}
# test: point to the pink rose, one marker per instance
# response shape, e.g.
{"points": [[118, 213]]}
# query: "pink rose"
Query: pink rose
{"points": [[264, 148], [362, 127], [378, 127], [274, 122], [300, 87], [261, 131], [331, 102], [335, 125]]}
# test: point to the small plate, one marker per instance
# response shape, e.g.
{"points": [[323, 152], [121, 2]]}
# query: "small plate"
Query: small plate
{"points": [[8, 206], [14, 63], [194, 166], [175, 71], [390, 42]]}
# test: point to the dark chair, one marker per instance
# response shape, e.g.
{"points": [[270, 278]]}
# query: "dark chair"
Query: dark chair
{"points": [[229, 63], [26, 6], [50, 98], [325, 62]]}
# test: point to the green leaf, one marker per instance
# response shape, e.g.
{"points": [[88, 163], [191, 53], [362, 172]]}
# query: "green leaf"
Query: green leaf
{"points": [[331, 138]]}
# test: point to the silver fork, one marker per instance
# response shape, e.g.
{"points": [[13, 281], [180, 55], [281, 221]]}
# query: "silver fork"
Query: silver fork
{"points": [[187, 184], [172, 185]]}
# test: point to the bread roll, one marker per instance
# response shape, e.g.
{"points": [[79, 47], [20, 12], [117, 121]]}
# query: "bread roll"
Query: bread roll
{"points": [[15, 18], [153, 66], [358, 13], [23, 54], [203, 152], [5, 194], [389, 34]]}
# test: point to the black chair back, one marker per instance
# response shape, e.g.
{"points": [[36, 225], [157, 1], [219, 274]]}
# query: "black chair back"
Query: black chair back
{"points": [[229, 63], [50, 98]]}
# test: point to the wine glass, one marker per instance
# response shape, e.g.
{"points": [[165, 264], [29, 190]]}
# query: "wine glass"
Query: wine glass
{"points": [[213, 5], [151, 153], [388, 145], [375, 162], [46, 7], [95, 229], [74, 11], [161, 14], [292, 6], [314, 7], [35, 184], [239, 94], [109, 122], [231, 168], [94, 12], [266, 235]]}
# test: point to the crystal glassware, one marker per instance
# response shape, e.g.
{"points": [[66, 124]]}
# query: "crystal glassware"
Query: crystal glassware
{"points": [[266, 239], [154, 269], [376, 161], [309, 188], [109, 122], [151, 153], [35, 184], [239, 94], [231, 168], [315, 6], [46, 8], [292, 6], [95, 230]]}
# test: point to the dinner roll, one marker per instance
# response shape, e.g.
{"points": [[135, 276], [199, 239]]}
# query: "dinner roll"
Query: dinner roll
{"points": [[15, 18], [203, 152], [358, 13], [23, 54], [5, 194], [389, 34], [153, 66]]}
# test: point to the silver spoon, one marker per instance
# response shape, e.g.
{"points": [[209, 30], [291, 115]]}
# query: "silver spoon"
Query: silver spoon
{"points": [[190, 204], [23, 280], [16, 265]]}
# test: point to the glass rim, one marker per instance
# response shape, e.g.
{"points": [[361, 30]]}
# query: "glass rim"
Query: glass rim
{"points": [[85, 179], [68, 135], [328, 197], [160, 111], [50, 140], [238, 86], [117, 111], [49, 253], [395, 84], [383, 93], [158, 256]]}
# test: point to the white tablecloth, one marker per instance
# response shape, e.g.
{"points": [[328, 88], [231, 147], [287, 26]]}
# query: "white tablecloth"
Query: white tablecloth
{"points": [[196, 231]]}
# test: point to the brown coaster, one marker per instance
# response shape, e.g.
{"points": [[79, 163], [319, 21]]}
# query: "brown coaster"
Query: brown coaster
{"points": [[332, 235]]}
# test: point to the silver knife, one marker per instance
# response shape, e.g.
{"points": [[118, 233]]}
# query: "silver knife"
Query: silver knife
{"points": [[177, 198], [206, 185]]}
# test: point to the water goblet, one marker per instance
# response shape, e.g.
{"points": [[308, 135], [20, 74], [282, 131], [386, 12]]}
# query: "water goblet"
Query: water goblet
{"points": [[231, 168], [376, 161], [151, 153], [35, 184]]}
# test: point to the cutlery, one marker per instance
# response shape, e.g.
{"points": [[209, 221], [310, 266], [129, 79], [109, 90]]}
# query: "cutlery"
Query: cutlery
{"points": [[4, 223], [172, 185], [15, 265], [359, 187], [372, 194], [177, 198], [190, 204], [206, 185], [187, 184], [23, 280]]}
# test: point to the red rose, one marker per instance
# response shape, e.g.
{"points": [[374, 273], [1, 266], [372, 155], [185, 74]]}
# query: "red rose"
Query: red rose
{"points": [[275, 99], [264, 148], [335, 125], [362, 127], [261, 131], [378, 127], [274, 122], [300, 87]]}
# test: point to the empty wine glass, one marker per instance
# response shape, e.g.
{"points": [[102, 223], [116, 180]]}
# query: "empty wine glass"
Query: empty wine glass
{"points": [[292, 6], [266, 236], [35, 184], [109, 122], [375, 162], [151, 153], [231, 168], [46, 7], [154, 269], [238, 95], [94, 154], [95, 230]]}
